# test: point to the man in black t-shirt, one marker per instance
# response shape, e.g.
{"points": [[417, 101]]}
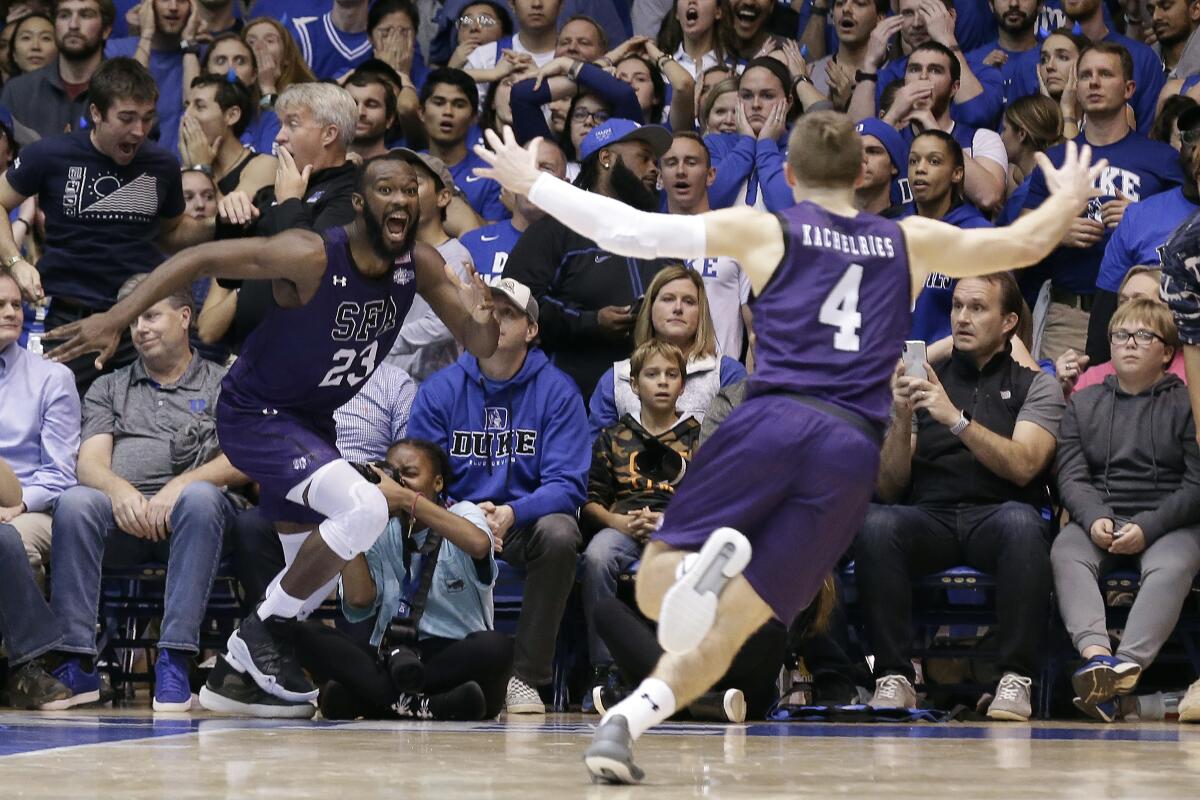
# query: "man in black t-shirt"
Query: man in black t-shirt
{"points": [[112, 200]]}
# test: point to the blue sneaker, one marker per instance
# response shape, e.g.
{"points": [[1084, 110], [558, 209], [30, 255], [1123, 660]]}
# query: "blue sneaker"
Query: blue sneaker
{"points": [[172, 691], [84, 686], [1103, 678], [1106, 711]]}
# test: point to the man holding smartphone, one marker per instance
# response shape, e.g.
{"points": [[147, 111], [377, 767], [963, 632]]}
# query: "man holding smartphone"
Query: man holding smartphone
{"points": [[965, 485]]}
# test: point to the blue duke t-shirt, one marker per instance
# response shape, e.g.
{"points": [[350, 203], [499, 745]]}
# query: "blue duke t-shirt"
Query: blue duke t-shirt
{"points": [[1143, 231], [1138, 167], [102, 219], [489, 247]]}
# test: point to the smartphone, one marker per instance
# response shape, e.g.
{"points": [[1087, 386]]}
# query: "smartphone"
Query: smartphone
{"points": [[914, 359], [635, 307]]}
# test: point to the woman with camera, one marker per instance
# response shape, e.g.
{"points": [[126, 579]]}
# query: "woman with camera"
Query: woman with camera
{"points": [[427, 584]]}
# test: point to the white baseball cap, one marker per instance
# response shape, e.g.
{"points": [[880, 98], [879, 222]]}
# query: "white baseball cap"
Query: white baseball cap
{"points": [[520, 295]]}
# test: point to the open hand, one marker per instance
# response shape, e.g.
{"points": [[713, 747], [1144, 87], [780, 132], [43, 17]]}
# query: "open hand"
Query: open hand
{"points": [[1076, 178], [98, 333], [512, 166], [290, 180]]}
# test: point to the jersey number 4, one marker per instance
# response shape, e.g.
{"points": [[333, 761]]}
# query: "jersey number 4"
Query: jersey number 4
{"points": [[344, 362], [840, 309]]}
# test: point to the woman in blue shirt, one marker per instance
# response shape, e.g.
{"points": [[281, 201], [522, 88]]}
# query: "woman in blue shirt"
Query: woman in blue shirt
{"points": [[935, 174], [1032, 125], [453, 665]]}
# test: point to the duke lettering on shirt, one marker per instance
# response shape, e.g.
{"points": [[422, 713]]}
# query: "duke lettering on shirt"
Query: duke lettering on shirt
{"points": [[494, 444], [1114, 179]]}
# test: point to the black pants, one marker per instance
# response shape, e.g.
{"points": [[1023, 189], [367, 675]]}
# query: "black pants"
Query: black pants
{"points": [[635, 650], [1008, 540], [84, 367], [331, 655], [257, 554], [1103, 307]]}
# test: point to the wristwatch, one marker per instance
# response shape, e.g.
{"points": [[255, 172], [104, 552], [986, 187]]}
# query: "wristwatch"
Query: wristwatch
{"points": [[8, 262], [800, 79], [187, 47], [267, 101], [964, 419], [573, 72], [860, 76]]}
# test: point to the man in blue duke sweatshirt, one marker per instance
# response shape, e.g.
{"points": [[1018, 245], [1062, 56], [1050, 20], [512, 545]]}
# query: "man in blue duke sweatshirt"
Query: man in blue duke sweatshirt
{"points": [[517, 435]]}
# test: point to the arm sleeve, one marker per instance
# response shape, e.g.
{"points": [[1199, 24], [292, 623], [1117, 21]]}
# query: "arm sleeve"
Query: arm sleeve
{"points": [[98, 413], [602, 407], [26, 173], [527, 102], [768, 158], [60, 443], [601, 486], [565, 459], [1181, 507], [732, 371], [428, 417], [1043, 404], [533, 261], [732, 170], [1081, 499], [622, 100], [983, 110]]}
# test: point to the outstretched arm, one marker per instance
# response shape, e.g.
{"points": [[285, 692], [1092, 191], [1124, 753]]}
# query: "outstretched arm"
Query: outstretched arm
{"points": [[935, 246], [752, 237], [465, 307], [297, 256]]}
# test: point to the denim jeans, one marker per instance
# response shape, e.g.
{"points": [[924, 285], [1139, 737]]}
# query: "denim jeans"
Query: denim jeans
{"points": [[86, 536], [27, 625], [1008, 540], [608, 554]]}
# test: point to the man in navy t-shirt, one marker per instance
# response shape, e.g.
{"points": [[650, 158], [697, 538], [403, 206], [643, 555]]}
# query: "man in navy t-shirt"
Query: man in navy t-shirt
{"points": [[1148, 72], [490, 245], [1137, 169], [1015, 52], [110, 197]]}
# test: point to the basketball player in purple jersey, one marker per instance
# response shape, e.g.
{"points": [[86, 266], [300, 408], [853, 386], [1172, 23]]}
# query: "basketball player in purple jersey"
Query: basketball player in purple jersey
{"points": [[340, 299], [792, 469]]}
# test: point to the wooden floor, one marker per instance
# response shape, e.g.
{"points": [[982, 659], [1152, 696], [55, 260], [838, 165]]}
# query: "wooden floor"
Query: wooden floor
{"points": [[131, 753]]}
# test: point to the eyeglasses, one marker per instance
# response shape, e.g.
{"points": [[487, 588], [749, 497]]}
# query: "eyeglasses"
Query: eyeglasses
{"points": [[1143, 337], [583, 114], [483, 21]]}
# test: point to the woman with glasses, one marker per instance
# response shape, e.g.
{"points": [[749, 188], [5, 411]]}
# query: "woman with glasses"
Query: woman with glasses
{"points": [[1129, 476], [596, 96]]}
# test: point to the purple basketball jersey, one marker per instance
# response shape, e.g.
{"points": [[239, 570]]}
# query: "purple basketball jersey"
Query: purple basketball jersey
{"points": [[831, 321], [312, 359]]}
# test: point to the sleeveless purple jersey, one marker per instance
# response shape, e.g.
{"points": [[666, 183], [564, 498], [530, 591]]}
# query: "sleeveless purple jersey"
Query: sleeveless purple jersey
{"points": [[314, 358], [831, 321]]}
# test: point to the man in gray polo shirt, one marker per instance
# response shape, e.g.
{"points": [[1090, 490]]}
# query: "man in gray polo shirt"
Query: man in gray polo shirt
{"points": [[150, 473]]}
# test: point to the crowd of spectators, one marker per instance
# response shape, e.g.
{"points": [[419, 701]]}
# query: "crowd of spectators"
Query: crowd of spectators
{"points": [[1046, 440]]}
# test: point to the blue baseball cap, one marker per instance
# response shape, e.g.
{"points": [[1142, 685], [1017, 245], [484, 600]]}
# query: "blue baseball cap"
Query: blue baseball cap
{"points": [[624, 130]]}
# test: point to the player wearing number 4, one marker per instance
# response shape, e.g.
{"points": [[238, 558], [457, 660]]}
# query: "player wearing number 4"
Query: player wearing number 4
{"points": [[833, 287], [340, 299]]}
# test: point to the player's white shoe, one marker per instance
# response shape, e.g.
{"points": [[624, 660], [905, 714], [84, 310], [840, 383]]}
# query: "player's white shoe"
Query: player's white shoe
{"points": [[689, 607]]}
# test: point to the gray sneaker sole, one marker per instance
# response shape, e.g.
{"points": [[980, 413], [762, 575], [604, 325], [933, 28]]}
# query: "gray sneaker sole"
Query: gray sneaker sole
{"points": [[74, 700], [689, 607], [1103, 683]]}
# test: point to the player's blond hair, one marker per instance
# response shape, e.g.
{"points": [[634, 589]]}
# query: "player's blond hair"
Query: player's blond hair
{"points": [[825, 150]]}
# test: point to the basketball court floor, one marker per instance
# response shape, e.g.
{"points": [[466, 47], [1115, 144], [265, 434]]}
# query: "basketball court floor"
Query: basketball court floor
{"points": [[131, 753]]}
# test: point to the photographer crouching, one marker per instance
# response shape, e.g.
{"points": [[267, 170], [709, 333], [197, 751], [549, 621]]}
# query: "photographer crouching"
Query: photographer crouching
{"points": [[427, 582]]}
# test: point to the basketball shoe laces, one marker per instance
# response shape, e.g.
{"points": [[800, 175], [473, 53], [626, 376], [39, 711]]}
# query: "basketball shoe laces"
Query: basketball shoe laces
{"points": [[889, 687], [1011, 686]]}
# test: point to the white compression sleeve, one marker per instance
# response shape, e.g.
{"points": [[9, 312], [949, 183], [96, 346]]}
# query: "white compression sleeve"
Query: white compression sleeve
{"points": [[617, 227]]}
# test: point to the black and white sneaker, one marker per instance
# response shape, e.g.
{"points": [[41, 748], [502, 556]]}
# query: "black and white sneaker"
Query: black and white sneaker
{"points": [[230, 691], [264, 650], [609, 758], [465, 703]]}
